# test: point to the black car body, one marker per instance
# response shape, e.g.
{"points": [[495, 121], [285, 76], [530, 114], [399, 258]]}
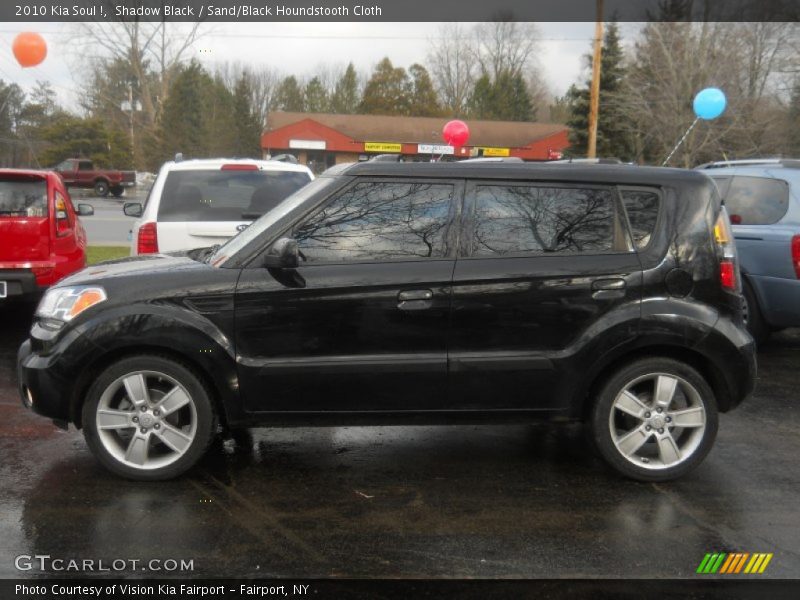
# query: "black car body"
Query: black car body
{"points": [[388, 293]]}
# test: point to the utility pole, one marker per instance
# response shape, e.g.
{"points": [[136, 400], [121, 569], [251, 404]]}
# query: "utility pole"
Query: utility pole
{"points": [[594, 93], [130, 103]]}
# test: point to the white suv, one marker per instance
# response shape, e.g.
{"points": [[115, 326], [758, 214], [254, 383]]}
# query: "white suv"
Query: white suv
{"points": [[199, 203]]}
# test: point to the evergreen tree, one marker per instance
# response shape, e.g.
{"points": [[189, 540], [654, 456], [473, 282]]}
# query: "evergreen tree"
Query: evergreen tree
{"points": [[611, 137], [504, 99], [184, 120], [481, 102], [388, 91], [423, 101], [91, 138], [289, 96], [344, 99], [793, 128], [246, 121], [316, 96]]}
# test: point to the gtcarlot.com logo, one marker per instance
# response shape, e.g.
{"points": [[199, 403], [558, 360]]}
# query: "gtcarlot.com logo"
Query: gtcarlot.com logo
{"points": [[734, 563], [47, 563]]}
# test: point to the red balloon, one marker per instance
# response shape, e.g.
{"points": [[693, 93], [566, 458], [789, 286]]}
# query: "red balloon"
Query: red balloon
{"points": [[29, 48], [455, 133]]}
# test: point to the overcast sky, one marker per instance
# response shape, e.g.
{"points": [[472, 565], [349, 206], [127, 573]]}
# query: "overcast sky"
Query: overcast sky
{"points": [[297, 48]]}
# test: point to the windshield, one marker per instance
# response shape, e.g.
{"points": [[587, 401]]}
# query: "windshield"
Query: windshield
{"points": [[225, 195], [236, 243]]}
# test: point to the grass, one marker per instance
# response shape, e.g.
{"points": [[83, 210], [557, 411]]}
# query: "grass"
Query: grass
{"points": [[96, 254]]}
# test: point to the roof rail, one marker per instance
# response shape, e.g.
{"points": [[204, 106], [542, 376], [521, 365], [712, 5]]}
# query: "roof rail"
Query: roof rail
{"points": [[790, 163], [610, 160], [387, 158], [493, 159], [287, 158]]}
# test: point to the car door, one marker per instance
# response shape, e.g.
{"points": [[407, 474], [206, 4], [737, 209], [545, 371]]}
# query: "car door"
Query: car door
{"points": [[540, 269], [85, 174], [361, 324]]}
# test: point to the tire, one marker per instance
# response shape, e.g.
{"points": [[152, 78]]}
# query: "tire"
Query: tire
{"points": [[662, 452], [171, 440], [117, 191], [753, 318], [101, 188]]}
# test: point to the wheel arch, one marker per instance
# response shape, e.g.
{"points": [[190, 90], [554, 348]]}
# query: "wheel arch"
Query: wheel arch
{"points": [[603, 369], [93, 370]]}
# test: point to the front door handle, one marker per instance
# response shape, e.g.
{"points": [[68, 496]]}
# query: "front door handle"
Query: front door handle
{"points": [[608, 289], [415, 299]]}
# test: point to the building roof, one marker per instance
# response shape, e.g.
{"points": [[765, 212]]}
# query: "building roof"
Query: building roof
{"points": [[379, 128]]}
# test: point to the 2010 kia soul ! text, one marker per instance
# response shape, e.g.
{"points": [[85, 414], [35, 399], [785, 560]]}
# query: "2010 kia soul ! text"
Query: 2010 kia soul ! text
{"points": [[389, 293]]}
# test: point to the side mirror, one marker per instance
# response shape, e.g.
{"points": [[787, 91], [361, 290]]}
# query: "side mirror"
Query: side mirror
{"points": [[283, 254], [133, 209], [85, 210]]}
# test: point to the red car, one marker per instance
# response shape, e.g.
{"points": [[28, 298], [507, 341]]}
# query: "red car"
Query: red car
{"points": [[41, 238]]}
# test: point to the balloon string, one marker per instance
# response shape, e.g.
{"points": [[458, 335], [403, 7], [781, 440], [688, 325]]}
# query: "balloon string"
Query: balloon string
{"points": [[678, 145]]}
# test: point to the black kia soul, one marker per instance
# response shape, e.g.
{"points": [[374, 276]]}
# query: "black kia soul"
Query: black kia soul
{"points": [[390, 293]]}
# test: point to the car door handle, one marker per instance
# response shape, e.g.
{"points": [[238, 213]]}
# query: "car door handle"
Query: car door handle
{"points": [[415, 299], [608, 289]]}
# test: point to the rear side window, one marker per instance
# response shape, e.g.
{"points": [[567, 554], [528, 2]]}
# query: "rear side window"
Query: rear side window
{"points": [[222, 195], [23, 198], [512, 219], [642, 209], [754, 200], [377, 221]]}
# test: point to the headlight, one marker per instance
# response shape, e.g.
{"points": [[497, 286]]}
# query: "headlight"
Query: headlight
{"points": [[66, 303]]}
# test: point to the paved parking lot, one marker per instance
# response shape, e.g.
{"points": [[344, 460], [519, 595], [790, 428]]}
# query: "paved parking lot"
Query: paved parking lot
{"points": [[466, 501]]}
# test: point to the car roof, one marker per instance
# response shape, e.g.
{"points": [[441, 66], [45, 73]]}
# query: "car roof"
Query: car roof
{"points": [[27, 172], [582, 172], [199, 164]]}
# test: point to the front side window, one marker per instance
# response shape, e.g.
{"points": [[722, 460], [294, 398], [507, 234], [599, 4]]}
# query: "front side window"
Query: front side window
{"points": [[755, 200], [84, 165], [376, 221], [516, 219]]}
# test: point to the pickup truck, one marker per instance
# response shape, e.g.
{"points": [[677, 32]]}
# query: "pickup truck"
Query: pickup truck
{"points": [[80, 173]]}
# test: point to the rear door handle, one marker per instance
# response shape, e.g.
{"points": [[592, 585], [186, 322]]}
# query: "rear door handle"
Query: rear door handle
{"points": [[415, 299], [608, 289]]}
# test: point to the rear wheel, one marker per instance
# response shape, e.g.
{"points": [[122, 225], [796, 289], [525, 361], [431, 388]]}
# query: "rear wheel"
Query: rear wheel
{"points": [[655, 419], [148, 418], [117, 191], [101, 188], [752, 315]]}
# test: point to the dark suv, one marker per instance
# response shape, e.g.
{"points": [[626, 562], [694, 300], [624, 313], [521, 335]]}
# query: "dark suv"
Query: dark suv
{"points": [[405, 293]]}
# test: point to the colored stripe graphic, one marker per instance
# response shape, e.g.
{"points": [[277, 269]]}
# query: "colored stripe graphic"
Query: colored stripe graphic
{"points": [[718, 563], [733, 563], [727, 565], [741, 562], [703, 563], [766, 562]]}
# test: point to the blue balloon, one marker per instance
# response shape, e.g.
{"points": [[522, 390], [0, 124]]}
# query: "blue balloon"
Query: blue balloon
{"points": [[709, 103]]}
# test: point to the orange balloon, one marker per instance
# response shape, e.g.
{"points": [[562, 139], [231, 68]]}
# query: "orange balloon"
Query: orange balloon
{"points": [[29, 48]]}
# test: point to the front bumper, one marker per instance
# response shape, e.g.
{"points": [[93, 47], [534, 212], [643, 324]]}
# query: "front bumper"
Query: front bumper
{"points": [[41, 389]]}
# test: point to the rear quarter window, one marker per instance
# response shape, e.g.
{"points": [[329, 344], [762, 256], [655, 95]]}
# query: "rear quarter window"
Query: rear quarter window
{"points": [[642, 207], [23, 198], [218, 195], [754, 200]]}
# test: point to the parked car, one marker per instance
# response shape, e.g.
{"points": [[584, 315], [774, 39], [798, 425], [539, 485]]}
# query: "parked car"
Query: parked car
{"points": [[197, 203], [390, 293], [81, 173], [763, 199], [41, 237]]}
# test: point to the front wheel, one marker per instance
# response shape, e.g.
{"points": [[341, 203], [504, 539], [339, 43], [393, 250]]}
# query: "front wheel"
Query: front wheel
{"points": [[148, 418], [101, 188], [655, 419]]}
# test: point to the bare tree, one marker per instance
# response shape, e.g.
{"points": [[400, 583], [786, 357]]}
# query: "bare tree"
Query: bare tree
{"points": [[505, 46], [453, 66]]}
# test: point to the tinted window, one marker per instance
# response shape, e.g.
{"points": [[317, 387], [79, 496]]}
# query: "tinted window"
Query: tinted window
{"points": [[642, 209], [216, 195], [379, 221], [527, 219], [756, 200], [23, 198], [84, 166]]}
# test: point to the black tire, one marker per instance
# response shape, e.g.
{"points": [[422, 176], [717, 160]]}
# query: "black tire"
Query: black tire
{"points": [[642, 468], [117, 191], [754, 320], [101, 188], [200, 408]]}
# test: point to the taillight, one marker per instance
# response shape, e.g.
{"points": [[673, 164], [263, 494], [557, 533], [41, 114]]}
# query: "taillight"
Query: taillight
{"points": [[728, 265], [796, 255], [147, 240], [62, 218]]}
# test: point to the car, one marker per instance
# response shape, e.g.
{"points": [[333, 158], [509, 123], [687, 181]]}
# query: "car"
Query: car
{"points": [[763, 199], [391, 293], [202, 202], [41, 237]]}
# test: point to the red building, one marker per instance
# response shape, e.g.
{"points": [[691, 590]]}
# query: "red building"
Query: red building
{"points": [[323, 140]]}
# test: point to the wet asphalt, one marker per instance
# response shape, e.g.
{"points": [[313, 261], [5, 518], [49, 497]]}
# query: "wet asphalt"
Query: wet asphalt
{"points": [[526, 501]]}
